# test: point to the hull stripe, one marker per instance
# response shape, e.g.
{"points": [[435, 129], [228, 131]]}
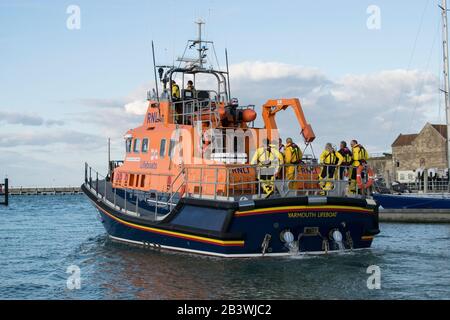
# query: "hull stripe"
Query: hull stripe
{"points": [[232, 243], [301, 208]]}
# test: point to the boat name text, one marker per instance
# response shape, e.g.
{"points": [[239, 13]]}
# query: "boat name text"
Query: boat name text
{"points": [[323, 214]]}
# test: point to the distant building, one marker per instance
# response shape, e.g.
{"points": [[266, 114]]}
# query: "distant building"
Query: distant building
{"points": [[383, 166], [412, 153]]}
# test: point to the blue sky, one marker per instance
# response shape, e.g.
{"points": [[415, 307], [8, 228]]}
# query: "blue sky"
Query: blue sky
{"points": [[63, 91]]}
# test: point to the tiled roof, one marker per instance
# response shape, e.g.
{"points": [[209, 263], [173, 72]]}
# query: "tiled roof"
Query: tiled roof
{"points": [[407, 139], [441, 128], [404, 140]]}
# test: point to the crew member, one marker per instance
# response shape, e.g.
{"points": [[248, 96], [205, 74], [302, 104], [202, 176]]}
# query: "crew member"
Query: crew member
{"points": [[292, 157], [269, 160], [175, 99], [359, 157], [175, 91], [190, 86], [347, 155], [330, 159]]}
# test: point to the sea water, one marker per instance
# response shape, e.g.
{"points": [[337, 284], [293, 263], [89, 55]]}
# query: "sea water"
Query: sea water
{"points": [[54, 247]]}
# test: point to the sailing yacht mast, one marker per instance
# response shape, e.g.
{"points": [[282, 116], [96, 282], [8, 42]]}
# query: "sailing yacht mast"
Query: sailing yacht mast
{"points": [[446, 79]]}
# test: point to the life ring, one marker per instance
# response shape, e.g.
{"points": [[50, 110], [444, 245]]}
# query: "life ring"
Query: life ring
{"points": [[370, 177]]}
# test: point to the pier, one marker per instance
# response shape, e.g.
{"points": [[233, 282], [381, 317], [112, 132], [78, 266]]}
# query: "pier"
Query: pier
{"points": [[415, 215], [31, 191]]}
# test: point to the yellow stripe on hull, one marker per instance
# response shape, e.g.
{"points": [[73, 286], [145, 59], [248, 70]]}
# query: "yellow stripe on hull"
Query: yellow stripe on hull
{"points": [[176, 234], [293, 208]]}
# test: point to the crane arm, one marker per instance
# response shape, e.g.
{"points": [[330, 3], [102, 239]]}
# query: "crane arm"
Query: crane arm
{"points": [[270, 109]]}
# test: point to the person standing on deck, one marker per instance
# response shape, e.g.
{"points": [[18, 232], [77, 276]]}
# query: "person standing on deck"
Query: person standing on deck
{"points": [[175, 98], [359, 157], [347, 155], [190, 86], [292, 157], [175, 91], [269, 160], [330, 159]]}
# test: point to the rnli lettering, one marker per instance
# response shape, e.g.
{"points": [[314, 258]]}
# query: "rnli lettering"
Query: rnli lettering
{"points": [[241, 170], [324, 214], [148, 165], [153, 117]]}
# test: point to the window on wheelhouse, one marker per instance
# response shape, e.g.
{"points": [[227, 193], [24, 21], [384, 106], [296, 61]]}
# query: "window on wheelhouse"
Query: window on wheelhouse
{"points": [[128, 145], [136, 145], [144, 145], [162, 149], [171, 148]]}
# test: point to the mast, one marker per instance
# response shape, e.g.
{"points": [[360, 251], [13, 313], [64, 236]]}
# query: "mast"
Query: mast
{"points": [[154, 71], [446, 79], [199, 40]]}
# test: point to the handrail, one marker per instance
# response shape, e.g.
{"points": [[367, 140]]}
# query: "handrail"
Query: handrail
{"points": [[200, 108], [309, 184], [232, 186], [172, 193]]}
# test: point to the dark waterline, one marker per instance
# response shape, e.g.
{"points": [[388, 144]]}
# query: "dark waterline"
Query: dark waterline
{"points": [[41, 236]]}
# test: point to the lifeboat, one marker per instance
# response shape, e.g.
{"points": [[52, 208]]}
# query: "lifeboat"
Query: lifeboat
{"points": [[191, 179]]}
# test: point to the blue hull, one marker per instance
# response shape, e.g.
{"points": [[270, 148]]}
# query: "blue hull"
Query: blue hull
{"points": [[222, 229], [411, 202]]}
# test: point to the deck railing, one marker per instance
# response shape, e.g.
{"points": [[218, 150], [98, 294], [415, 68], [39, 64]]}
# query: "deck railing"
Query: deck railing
{"points": [[251, 181], [188, 111], [100, 186], [230, 183]]}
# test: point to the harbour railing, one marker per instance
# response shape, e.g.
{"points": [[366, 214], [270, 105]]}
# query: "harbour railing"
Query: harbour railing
{"points": [[427, 186]]}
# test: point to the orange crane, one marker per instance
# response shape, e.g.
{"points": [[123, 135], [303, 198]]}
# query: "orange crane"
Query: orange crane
{"points": [[272, 107]]}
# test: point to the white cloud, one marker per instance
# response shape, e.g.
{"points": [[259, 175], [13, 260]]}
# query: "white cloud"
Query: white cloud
{"points": [[260, 71], [137, 107], [373, 108]]}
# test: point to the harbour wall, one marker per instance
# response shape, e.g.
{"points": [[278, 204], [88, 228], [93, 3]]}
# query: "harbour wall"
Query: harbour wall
{"points": [[14, 191], [415, 215]]}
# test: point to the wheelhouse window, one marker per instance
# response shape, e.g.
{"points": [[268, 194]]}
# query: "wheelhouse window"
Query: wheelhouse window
{"points": [[162, 149], [171, 148], [145, 145], [128, 145], [136, 145]]}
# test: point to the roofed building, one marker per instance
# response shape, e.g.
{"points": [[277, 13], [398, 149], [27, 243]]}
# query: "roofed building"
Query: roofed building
{"points": [[412, 153], [426, 149]]}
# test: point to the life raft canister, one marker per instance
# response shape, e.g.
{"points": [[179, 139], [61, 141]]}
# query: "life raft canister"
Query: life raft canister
{"points": [[370, 177]]}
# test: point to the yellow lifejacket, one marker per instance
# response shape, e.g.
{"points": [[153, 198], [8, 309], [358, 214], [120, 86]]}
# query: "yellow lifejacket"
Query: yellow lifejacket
{"points": [[175, 91], [331, 158], [360, 155], [270, 157], [292, 154]]}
